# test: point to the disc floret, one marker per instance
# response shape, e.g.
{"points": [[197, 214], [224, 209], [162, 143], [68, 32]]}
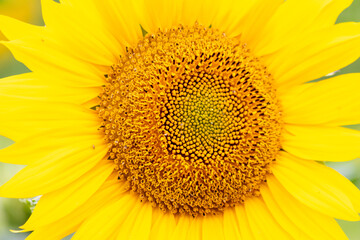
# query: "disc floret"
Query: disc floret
{"points": [[193, 120]]}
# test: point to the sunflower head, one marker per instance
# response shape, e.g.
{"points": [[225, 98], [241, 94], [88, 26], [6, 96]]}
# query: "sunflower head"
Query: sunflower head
{"points": [[193, 120], [206, 127]]}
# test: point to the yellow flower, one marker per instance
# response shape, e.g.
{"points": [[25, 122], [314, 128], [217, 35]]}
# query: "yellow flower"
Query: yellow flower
{"points": [[204, 128]]}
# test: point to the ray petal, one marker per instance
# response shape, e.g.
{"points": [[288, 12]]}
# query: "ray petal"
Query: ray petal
{"points": [[314, 56], [334, 102], [315, 224], [261, 221], [319, 187], [321, 143]]}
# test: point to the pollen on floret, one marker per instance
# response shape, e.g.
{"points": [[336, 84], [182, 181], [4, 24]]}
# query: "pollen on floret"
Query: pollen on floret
{"points": [[192, 120]]}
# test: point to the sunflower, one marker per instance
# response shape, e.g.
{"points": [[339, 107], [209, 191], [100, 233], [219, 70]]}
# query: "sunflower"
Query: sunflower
{"points": [[183, 119]]}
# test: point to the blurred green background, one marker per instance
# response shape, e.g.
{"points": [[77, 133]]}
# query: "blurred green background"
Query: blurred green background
{"points": [[14, 213]]}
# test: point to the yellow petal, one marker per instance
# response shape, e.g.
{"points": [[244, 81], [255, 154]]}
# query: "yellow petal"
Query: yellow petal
{"points": [[213, 227], [261, 221], [295, 18], [162, 14], [182, 228], [334, 101], [318, 187], [224, 15], [244, 225], [50, 233], [42, 36], [65, 200], [252, 24], [229, 15], [204, 12], [231, 225], [330, 13], [311, 57], [29, 86], [195, 229], [24, 119], [313, 223], [281, 216], [163, 225], [56, 169], [92, 103], [107, 222], [38, 147], [122, 16], [81, 31], [47, 62], [139, 218], [110, 192], [322, 143], [15, 29]]}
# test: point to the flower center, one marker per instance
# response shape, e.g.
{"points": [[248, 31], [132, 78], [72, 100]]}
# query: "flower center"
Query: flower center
{"points": [[192, 119]]}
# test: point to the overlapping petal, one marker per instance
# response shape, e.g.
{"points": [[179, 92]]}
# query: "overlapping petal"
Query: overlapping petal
{"points": [[302, 18], [313, 56], [333, 102], [319, 187], [288, 211], [29, 86], [163, 225], [261, 221], [118, 220], [321, 143], [110, 192], [61, 202]]}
